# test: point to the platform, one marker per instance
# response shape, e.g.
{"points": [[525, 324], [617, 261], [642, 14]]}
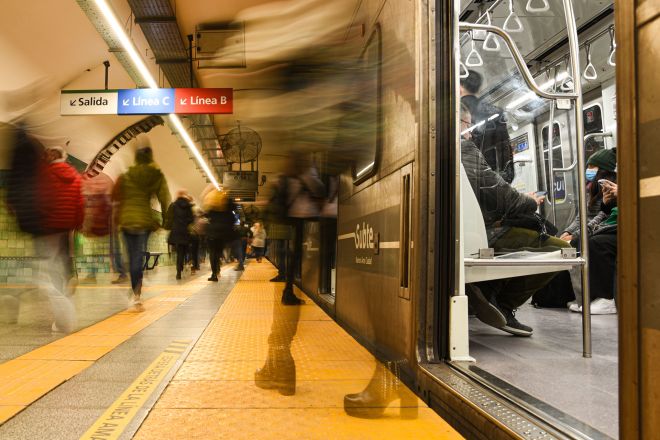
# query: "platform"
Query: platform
{"points": [[185, 368]]}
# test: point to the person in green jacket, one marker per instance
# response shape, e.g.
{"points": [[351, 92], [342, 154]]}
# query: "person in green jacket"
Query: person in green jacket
{"points": [[136, 219]]}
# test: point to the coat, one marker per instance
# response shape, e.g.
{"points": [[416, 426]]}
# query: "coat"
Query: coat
{"points": [[220, 211], [497, 199], [178, 219], [61, 199], [134, 190]]}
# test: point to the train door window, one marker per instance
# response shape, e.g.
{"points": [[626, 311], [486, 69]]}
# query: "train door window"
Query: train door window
{"points": [[366, 121], [593, 123], [557, 154]]}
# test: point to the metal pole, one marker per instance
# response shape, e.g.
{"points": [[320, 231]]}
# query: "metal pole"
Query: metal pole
{"points": [[106, 63], [190, 59], [551, 159], [579, 132]]}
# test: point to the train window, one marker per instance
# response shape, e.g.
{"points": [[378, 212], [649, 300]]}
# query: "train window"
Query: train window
{"points": [[593, 123], [557, 154], [367, 112]]}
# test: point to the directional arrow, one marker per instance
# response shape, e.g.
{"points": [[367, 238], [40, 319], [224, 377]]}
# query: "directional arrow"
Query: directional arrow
{"points": [[125, 102], [72, 103], [183, 101]]}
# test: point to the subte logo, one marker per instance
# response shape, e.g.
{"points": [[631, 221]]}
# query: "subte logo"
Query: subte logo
{"points": [[364, 236]]}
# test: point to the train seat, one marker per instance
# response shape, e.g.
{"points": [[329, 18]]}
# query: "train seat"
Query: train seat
{"points": [[476, 238]]}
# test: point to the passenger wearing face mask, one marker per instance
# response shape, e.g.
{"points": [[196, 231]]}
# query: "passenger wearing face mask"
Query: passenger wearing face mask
{"points": [[600, 165]]}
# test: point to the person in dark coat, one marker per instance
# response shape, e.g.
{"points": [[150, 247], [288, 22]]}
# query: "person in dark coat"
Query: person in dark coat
{"points": [[495, 301], [179, 218], [219, 209]]}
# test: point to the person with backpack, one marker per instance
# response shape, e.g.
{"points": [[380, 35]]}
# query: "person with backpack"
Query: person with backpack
{"points": [[179, 217], [134, 190], [60, 196], [489, 128], [220, 232]]}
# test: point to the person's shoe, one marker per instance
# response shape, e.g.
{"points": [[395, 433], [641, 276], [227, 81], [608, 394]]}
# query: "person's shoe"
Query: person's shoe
{"points": [[239, 268], [178, 275], [136, 302], [213, 278], [573, 306], [514, 326], [121, 279], [602, 306], [290, 299], [278, 279], [486, 311], [55, 329]]}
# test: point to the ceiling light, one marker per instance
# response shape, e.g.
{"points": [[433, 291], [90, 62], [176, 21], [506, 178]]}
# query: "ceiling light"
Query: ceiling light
{"points": [[530, 95], [127, 45]]}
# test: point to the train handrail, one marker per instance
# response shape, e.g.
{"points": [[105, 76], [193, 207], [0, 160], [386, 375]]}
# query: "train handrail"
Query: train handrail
{"points": [[518, 58], [586, 138]]}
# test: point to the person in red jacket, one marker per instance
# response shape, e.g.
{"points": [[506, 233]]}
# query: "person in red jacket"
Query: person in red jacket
{"points": [[61, 200]]}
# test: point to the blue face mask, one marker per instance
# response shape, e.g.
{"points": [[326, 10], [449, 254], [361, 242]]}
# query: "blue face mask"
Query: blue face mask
{"points": [[591, 174]]}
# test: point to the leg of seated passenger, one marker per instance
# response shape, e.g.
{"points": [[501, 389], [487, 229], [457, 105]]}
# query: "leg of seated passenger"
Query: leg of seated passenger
{"points": [[602, 263]]}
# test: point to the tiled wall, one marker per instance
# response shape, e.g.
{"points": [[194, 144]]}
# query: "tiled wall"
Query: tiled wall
{"points": [[92, 254]]}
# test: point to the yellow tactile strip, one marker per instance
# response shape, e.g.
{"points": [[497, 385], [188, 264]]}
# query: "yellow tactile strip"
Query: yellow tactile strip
{"points": [[30, 376], [214, 394]]}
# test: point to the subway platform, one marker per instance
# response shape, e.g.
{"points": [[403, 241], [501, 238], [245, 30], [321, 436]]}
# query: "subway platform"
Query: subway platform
{"points": [[204, 360]]}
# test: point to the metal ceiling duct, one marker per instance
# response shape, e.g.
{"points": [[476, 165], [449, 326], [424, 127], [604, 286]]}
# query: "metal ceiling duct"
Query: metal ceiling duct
{"points": [[157, 19]]}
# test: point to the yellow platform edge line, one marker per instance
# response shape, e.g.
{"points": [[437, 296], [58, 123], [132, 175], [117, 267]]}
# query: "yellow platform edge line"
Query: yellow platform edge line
{"points": [[131, 323], [121, 412]]}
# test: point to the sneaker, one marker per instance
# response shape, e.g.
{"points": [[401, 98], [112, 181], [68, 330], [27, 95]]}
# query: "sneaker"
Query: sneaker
{"points": [[290, 299], [239, 268], [514, 326], [213, 278], [136, 302], [178, 276], [602, 306], [573, 306], [55, 329], [485, 309]]}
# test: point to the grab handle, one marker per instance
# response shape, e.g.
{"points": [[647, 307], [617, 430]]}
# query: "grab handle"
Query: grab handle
{"points": [[494, 45], [531, 8], [589, 71], [474, 54], [512, 17]]}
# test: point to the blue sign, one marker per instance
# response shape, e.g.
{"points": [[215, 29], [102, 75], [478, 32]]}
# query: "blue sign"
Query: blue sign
{"points": [[560, 189], [145, 102]]}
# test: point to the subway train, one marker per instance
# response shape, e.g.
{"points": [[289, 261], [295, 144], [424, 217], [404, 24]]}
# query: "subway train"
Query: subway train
{"points": [[387, 98]]}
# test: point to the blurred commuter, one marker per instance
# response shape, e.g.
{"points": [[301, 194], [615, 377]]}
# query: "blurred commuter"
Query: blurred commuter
{"points": [[240, 244], [219, 209], [492, 135], [197, 237], [60, 194], [511, 224], [258, 241], [299, 196], [134, 190], [179, 218]]}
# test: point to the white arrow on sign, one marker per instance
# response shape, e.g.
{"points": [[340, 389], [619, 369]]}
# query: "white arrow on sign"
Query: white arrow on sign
{"points": [[183, 101], [125, 102]]}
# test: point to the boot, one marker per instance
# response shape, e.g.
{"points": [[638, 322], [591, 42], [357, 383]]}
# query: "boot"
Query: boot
{"points": [[278, 373], [383, 388], [289, 298]]}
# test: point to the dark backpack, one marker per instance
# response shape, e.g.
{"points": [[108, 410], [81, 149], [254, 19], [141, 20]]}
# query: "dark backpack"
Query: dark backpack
{"points": [[23, 182]]}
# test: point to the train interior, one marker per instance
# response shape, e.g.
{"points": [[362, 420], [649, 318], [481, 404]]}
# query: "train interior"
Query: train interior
{"points": [[546, 373]]}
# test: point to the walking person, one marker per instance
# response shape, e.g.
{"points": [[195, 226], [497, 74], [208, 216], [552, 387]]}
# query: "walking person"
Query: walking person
{"points": [[133, 191], [60, 194], [258, 240], [178, 219], [219, 209]]}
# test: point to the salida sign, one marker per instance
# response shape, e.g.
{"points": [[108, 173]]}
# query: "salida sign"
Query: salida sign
{"points": [[146, 101]]}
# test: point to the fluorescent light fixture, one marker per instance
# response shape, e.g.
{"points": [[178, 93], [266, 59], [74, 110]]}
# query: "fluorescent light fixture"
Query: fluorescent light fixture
{"points": [[475, 126], [126, 43], [365, 169], [530, 95]]}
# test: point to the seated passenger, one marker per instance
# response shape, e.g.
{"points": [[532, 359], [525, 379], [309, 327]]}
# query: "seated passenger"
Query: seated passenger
{"points": [[509, 216]]}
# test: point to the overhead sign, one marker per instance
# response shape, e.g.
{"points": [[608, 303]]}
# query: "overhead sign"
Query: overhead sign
{"points": [[88, 102], [146, 101], [196, 101]]}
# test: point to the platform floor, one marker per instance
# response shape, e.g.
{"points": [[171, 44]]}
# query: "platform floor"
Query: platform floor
{"points": [[185, 368]]}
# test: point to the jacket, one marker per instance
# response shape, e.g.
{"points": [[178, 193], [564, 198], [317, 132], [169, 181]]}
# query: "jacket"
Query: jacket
{"points": [[220, 211], [179, 217], [497, 199], [258, 237], [60, 195], [134, 190]]}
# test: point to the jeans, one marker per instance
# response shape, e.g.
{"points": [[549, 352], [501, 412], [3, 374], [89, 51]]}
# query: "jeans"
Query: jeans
{"points": [[239, 247], [136, 245], [602, 266], [511, 293], [194, 252], [54, 275], [181, 251], [216, 246]]}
